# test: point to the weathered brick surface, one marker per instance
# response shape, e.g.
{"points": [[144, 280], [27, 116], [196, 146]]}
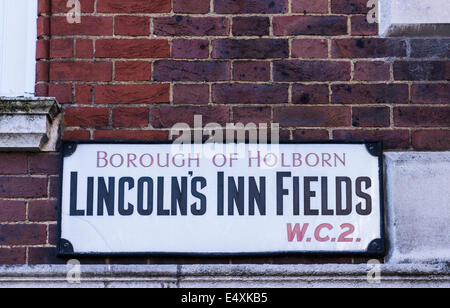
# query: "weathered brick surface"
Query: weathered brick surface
{"points": [[310, 6], [250, 94], [370, 94], [250, 49], [310, 25], [250, 6], [132, 69], [251, 26], [297, 71]]}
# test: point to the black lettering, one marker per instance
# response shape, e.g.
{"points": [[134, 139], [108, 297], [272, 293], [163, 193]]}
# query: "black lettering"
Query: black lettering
{"points": [[122, 210], [325, 210], [236, 196], [220, 194], [179, 196], [340, 211], [257, 195], [308, 195], [105, 196], [161, 210], [363, 195], [149, 210], [281, 192], [73, 195], [201, 197]]}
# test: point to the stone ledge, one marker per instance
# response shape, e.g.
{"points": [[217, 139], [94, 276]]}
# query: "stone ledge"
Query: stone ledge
{"points": [[414, 18], [238, 276], [29, 124], [417, 206]]}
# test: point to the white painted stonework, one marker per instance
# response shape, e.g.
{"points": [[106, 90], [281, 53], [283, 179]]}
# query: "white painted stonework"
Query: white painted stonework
{"points": [[418, 201], [226, 276], [29, 124], [18, 28], [414, 17]]}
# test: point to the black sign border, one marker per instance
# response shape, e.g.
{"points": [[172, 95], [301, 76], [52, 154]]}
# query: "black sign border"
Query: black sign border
{"points": [[376, 248]]}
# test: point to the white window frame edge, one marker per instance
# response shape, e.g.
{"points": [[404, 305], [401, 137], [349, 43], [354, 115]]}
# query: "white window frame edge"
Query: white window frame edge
{"points": [[18, 36]]}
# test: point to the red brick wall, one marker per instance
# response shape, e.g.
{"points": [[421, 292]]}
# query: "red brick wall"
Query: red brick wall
{"points": [[134, 68]]}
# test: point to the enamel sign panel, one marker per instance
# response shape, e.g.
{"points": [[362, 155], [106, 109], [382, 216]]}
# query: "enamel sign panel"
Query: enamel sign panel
{"points": [[132, 199]]}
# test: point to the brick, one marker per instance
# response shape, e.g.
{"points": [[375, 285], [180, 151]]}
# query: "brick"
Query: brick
{"points": [[53, 187], [132, 26], [132, 48], [44, 7], [138, 135], [61, 48], [167, 116], [60, 6], [62, 92], [310, 94], [430, 93], [43, 26], [310, 6], [308, 116], [90, 25], [23, 234], [371, 116], [42, 49], [191, 6], [132, 94], [372, 71], [134, 6], [13, 163], [41, 90], [251, 6], [255, 115], [190, 49], [431, 140], [77, 135], [419, 70], [368, 48], [44, 255], [207, 71], [23, 187], [191, 94], [251, 26], [310, 25], [250, 93], [191, 26], [310, 134], [84, 49], [310, 48], [13, 256], [422, 116], [83, 94], [133, 71], [296, 70], [86, 116], [392, 139], [42, 210], [251, 71], [250, 49], [370, 94], [430, 48], [349, 7], [45, 164], [52, 234], [131, 117], [42, 71], [12, 211], [80, 71], [360, 26]]}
